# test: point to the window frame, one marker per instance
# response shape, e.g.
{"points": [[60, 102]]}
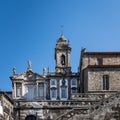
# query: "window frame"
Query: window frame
{"points": [[41, 87], [53, 94], [18, 89], [53, 81], [63, 96], [73, 81], [105, 82]]}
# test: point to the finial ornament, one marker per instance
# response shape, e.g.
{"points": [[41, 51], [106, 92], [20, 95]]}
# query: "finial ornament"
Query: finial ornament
{"points": [[44, 71], [14, 70], [29, 65]]}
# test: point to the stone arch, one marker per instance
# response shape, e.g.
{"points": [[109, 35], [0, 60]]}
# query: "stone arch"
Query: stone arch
{"points": [[30, 117]]}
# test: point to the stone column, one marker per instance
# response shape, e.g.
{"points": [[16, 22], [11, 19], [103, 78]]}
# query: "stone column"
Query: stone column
{"points": [[45, 90], [69, 89], [37, 90], [58, 89], [23, 91], [14, 90]]}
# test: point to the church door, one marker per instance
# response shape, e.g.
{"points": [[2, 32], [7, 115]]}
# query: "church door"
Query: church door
{"points": [[30, 117]]}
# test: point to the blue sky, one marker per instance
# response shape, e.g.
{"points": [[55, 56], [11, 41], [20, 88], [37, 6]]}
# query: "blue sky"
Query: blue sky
{"points": [[29, 30]]}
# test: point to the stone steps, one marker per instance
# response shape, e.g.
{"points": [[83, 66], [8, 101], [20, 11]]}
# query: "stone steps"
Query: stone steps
{"points": [[101, 111]]}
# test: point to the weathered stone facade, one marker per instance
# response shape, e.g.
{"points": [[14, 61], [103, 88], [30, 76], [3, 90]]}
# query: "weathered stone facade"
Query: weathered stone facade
{"points": [[94, 79], [95, 66], [46, 96], [92, 93], [6, 107]]}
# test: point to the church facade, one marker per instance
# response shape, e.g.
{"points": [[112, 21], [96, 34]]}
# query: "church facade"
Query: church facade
{"points": [[92, 93], [51, 86]]}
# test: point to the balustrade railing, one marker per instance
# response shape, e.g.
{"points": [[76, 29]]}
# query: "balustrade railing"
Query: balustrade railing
{"points": [[55, 104], [89, 96]]}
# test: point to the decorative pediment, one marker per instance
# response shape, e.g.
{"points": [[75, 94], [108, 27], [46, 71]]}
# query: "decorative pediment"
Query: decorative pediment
{"points": [[29, 75]]}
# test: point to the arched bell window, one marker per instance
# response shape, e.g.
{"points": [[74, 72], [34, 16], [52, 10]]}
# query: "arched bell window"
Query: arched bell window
{"points": [[63, 59], [31, 117]]}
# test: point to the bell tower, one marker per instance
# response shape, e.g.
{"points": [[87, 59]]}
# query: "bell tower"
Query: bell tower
{"points": [[62, 56]]}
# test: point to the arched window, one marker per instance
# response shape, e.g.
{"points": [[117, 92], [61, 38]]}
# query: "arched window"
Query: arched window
{"points": [[63, 59], [30, 117], [63, 89]]}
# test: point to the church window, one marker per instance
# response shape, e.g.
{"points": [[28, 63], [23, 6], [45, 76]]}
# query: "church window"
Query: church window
{"points": [[105, 82], [18, 89], [74, 82], [53, 93], [52, 82], [30, 92], [41, 89], [100, 61], [63, 92], [63, 59]]}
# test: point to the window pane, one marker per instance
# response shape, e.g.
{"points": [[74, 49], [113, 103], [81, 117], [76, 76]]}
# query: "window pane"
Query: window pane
{"points": [[53, 93], [105, 82], [18, 89], [74, 82], [41, 90], [30, 93], [63, 93], [18, 92], [100, 61], [52, 82]]}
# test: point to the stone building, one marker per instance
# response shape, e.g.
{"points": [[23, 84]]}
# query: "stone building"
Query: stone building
{"points": [[6, 107], [92, 93], [100, 71], [39, 92]]}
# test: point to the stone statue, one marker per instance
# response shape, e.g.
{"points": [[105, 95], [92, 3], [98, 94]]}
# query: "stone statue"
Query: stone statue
{"points": [[44, 71], [29, 64], [14, 71]]}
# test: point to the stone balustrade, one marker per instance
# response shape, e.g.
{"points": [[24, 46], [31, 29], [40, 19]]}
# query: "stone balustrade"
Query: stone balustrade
{"points": [[90, 96], [54, 104], [77, 100], [91, 112]]}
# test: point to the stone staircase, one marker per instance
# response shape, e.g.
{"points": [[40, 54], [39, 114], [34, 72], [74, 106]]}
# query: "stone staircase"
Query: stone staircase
{"points": [[75, 114], [106, 109]]}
